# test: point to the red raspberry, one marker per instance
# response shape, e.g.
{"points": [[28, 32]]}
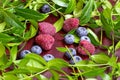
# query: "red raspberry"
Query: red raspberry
{"points": [[46, 41], [85, 46], [70, 24], [46, 28]]}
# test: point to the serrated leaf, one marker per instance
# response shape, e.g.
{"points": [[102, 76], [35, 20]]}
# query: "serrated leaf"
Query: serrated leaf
{"points": [[62, 3], [86, 12], [71, 6], [2, 50], [59, 24], [61, 49], [100, 58], [5, 38], [31, 14]]}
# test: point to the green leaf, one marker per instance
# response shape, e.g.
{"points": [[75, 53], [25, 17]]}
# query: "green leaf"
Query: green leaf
{"points": [[100, 58], [71, 6], [2, 26], [61, 49], [59, 24], [77, 11], [36, 57], [117, 45], [57, 64], [86, 12], [2, 50], [31, 14], [31, 33], [12, 20], [117, 7], [62, 3], [55, 75], [41, 77], [3, 60], [5, 38], [112, 61], [10, 77], [94, 38], [77, 39], [94, 72], [13, 53], [105, 77]]}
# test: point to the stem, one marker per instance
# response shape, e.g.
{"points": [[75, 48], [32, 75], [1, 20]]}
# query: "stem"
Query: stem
{"points": [[22, 46], [34, 74]]}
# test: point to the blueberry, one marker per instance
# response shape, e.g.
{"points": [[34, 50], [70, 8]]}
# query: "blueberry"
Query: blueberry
{"points": [[75, 59], [81, 31], [36, 49], [85, 38], [24, 52], [73, 52], [45, 8], [69, 39], [48, 57]]}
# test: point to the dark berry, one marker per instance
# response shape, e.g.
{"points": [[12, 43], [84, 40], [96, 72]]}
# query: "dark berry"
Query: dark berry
{"points": [[45, 8], [69, 55], [75, 59], [24, 52], [36, 49], [48, 57], [81, 31], [69, 39]]}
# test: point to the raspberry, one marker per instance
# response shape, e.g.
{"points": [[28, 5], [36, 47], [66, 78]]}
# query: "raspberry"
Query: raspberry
{"points": [[69, 39], [81, 31], [85, 46], [73, 53], [85, 38], [46, 28], [46, 41], [70, 24], [45, 8]]}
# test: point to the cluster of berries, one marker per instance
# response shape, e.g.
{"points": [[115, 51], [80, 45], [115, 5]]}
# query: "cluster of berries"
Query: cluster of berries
{"points": [[72, 56], [37, 50], [85, 45]]}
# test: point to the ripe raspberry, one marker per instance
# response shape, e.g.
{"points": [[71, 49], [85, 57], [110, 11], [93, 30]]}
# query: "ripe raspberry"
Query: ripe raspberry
{"points": [[85, 46], [70, 24], [46, 28], [46, 41]]}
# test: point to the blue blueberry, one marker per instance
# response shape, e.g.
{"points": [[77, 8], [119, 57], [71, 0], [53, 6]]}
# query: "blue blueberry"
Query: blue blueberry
{"points": [[75, 59], [69, 55], [81, 31], [45, 8], [23, 53], [85, 38], [36, 49], [48, 57], [69, 39]]}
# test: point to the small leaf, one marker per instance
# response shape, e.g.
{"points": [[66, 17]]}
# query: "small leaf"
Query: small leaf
{"points": [[117, 45], [71, 6], [61, 49], [100, 58], [105, 77], [10, 77], [2, 50], [31, 14], [94, 38], [13, 53], [2, 26], [86, 12], [5, 38], [59, 24], [62, 3], [77, 39], [77, 11]]}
